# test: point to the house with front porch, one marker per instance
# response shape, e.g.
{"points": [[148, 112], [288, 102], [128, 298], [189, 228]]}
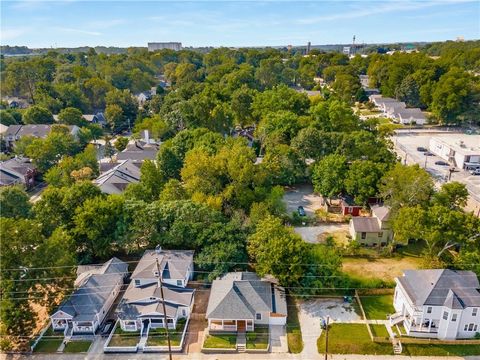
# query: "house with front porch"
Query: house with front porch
{"points": [[96, 290], [438, 303], [142, 304], [241, 300]]}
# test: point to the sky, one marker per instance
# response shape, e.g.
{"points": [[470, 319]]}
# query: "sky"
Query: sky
{"points": [[72, 23]]}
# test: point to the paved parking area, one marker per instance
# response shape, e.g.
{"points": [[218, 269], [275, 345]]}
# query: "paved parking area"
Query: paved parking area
{"points": [[302, 195]]}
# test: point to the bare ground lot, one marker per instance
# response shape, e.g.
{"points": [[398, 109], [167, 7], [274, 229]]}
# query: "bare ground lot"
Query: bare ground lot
{"points": [[380, 268], [302, 195], [318, 234]]}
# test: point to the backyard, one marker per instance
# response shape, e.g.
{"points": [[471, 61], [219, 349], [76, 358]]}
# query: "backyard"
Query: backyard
{"points": [[258, 339], [77, 347], [50, 341], [294, 333], [124, 338], [377, 307], [158, 337], [220, 341], [351, 339]]}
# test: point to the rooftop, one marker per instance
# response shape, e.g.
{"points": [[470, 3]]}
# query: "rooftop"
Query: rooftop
{"points": [[174, 264], [462, 143]]}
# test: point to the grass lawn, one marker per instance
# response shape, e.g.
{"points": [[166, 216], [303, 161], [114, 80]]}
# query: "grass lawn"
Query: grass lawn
{"points": [[77, 346], [50, 341], [158, 337], [351, 339], [124, 338], [258, 339], [220, 341], [377, 307], [379, 331], [440, 350], [294, 333]]}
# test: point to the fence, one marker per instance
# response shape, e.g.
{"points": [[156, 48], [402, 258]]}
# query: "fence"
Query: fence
{"points": [[364, 317]]}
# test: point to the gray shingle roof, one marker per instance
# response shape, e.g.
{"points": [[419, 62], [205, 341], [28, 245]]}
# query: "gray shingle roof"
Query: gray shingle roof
{"points": [[381, 212], [455, 289], [241, 295], [174, 264], [365, 224], [139, 151], [14, 170], [115, 180], [88, 299]]}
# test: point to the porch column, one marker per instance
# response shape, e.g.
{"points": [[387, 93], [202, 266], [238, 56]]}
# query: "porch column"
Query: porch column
{"points": [[222, 325], [430, 325]]}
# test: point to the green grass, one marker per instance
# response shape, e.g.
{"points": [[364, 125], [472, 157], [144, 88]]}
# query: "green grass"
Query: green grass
{"points": [[50, 341], [294, 333], [377, 307], [158, 337], [351, 339], [258, 339], [440, 350], [77, 346], [220, 341], [379, 331], [124, 338]]}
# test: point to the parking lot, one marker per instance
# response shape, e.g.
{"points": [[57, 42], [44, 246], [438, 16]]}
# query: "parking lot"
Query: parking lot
{"points": [[406, 145], [302, 195]]}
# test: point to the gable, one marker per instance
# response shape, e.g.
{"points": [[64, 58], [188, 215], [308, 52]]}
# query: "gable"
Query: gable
{"points": [[61, 315]]}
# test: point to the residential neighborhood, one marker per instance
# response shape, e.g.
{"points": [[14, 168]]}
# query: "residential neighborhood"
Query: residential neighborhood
{"points": [[239, 180]]}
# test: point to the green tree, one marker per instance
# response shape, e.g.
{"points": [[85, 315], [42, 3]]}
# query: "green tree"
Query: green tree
{"points": [[409, 92], [14, 202], [173, 190], [71, 116], [115, 118], [121, 143], [328, 176], [362, 180], [37, 115], [283, 165], [278, 251], [452, 194]]}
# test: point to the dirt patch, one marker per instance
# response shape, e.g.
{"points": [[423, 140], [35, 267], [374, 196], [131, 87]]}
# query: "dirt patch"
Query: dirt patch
{"points": [[318, 234], [385, 269], [302, 195]]}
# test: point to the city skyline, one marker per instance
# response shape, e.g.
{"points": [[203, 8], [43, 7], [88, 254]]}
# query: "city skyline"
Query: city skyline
{"points": [[234, 23]]}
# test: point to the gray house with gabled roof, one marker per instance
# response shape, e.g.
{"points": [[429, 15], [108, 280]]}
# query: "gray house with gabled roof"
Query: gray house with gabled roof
{"points": [[438, 303], [240, 300], [96, 290]]}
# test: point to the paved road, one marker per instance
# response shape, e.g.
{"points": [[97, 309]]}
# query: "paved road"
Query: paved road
{"points": [[200, 356]]}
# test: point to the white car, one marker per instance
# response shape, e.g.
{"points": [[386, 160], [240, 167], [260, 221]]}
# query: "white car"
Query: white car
{"points": [[475, 171]]}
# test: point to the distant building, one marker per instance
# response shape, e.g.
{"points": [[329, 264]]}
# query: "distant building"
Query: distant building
{"points": [[17, 171], [460, 150], [154, 46], [346, 50], [309, 45], [16, 132]]}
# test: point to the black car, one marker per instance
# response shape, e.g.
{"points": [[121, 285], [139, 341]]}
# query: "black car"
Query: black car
{"points": [[441, 163], [301, 211], [107, 328], [421, 149], [427, 153]]}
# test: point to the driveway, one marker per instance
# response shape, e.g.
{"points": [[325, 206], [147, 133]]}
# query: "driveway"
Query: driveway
{"points": [[278, 339], [311, 312], [316, 234], [197, 324], [302, 195]]}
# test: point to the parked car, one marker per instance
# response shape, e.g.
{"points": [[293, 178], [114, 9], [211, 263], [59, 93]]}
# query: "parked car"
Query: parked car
{"points": [[475, 171], [301, 211], [421, 149], [441, 163], [427, 153], [107, 328]]}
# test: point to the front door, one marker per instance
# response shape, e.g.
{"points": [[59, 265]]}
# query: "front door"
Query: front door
{"points": [[241, 325]]}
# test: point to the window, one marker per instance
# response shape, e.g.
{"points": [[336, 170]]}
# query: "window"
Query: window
{"points": [[258, 316], [454, 317], [429, 310], [184, 313], [470, 327], [364, 235], [474, 311], [380, 234], [466, 327], [475, 328], [179, 282], [137, 282], [445, 315]]}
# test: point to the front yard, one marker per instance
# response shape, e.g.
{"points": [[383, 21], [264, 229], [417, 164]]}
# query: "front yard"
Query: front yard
{"points": [[294, 333], [158, 337], [50, 341], [220, 341], [440, 350], [379, 331], [351, 339], [77, 347], [124, 338], [377, 307], [258, 339]]}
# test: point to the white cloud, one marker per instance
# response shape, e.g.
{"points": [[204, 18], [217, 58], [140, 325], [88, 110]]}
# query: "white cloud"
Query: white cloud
{"points": [[377, 8], [78, 31]]}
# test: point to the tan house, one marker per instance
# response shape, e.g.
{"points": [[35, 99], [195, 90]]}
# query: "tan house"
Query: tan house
{"points": [[374, 230]]}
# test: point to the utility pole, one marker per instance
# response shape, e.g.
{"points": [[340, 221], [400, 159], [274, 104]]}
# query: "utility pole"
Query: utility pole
{"points": [[426, 157], [164, 310], [326, 339]]}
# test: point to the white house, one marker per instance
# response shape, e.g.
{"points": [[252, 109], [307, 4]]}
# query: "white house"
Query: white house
{"points": [[440, 303], [372, 231], [410, 116], [86, 308], [240, 300], [142, 305], [461, 150]]}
